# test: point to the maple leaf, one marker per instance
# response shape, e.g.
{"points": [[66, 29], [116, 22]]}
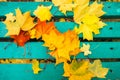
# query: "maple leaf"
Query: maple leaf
{"points": [[88, 26], [35, 66], [70, 44], [57, 58], [53, 40], [43, 13], [10, 17], [60, 2], [13, 28], [81, 2], [96, 9], [25, 21], [77, 70], [22, 38], [64, 5], [42, 27], [80, 10], [62, 45], [85, 49], [32, 33], [19, 22], [84, 8], [97, 69], [87, 16]]}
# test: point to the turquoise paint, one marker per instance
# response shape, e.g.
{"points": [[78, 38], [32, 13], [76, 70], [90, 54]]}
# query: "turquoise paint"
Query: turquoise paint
{"points": [[105, 32], [36, 50], [24, 72], [50, 72], [111, 9], [5, 7], [30, 50]]}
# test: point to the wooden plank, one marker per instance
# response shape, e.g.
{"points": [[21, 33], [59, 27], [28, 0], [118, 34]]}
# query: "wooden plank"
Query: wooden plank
{"points": [[24, 72], [51, 72], [31, 50], [36, 50], [111, 8], [112, 30]]}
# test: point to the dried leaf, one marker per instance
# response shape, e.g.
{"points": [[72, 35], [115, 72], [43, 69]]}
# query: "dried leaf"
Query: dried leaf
{"points": [[85, 49], [19, 22], [64, 5], [10, 17], [25, 21], [44, 27], [77, 70], [35, 66], [43, 13], [88, 26], [62, 45], [97, 69], [22, 38]]}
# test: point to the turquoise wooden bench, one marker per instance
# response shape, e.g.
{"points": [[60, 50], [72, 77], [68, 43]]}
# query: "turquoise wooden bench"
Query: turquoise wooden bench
{"points": [[107, 51]]}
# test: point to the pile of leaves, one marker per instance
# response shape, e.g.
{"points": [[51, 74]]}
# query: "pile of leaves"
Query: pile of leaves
{"points": [[22, 27]]}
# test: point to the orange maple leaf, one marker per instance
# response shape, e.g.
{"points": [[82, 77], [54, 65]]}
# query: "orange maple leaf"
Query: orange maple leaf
{"points": [[22, 38], [43, 27]]}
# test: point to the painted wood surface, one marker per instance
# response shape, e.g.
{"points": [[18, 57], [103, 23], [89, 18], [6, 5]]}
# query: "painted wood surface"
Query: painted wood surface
{"points": [[50, 72], [111, 30], [112, 9], [36, 50], [32, 50]]}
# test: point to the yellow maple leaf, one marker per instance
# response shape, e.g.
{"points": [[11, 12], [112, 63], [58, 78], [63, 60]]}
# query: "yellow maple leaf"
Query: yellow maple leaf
{"points": [[35, 66], [84, 8], [97, 69], [87, 16], [64, 5], [70, 44], [85, 49], [60, 2], [77, 70], [80, 10], [19, 22], [81, 2], [88, 26], [62, 45], [32, 33], [43, 13], [10, 17], [57, 58], [25, 21], [96, 9], [13, 28], [53, 40]]}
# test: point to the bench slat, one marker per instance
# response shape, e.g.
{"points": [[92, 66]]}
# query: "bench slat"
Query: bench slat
{"points": [[112, 30], [24, 72], [36, 50], [111, 8]]}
